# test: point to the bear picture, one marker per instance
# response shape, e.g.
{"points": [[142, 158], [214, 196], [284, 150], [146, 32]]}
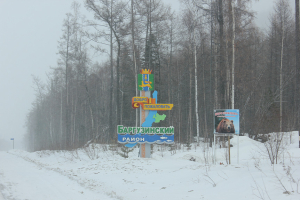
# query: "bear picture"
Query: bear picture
{"points": [[227, 121], [225, 126]]}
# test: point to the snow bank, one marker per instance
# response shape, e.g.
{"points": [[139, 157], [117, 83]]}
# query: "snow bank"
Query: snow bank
{"points": [[169, 174]]}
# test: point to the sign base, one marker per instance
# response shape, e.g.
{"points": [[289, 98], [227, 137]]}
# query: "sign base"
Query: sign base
{"points": [[145, 150]]}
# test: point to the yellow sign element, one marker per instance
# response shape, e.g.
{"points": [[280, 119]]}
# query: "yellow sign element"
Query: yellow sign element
{"points": [[139, 99], [157, 106], [136, 101], [149, 104], [145, 71], [146, 84], [152, 101]]}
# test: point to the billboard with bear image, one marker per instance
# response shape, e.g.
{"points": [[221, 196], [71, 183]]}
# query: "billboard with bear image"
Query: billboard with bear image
{"points": [[227, 121]]}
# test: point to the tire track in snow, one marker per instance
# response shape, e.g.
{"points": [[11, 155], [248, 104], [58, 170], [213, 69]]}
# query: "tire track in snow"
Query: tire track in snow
{"points": [[1, 196], [34, 180], [89, 184]]}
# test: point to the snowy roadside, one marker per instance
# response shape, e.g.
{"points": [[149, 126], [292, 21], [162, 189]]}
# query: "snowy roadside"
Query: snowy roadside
{"points": [[98, 171], [1, 196], [22, 178]]}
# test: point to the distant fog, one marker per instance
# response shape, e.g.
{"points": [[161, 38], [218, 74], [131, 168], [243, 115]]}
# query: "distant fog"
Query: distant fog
{"points": [[7, 144]]}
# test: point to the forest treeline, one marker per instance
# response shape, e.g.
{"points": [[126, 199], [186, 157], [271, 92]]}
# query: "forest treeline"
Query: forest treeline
{"points": [[208, 56]]}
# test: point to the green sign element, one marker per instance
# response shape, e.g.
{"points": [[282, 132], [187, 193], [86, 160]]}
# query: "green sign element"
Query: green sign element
{"points": [[159, 117], [145, 130], [146, 82]]}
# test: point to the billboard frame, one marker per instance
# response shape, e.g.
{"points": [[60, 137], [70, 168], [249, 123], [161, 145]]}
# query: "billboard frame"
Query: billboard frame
{"points": [[226, 123]]}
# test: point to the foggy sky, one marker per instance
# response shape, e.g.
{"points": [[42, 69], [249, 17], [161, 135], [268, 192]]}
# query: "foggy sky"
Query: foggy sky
{"points": [[29, 32]]}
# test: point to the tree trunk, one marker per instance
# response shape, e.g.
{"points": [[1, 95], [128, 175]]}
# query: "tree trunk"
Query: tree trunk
{"points": [[111, 77], [297, 79], [222, 69], [204, 97], [196, 88], [61, 120], [134, 61], [216, 102], [67, 125], [233, 55], [280, 87], [190, 110], [118, 82]]}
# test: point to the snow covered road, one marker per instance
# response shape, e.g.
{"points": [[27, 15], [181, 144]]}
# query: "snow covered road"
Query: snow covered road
{"points": [[22, 179], [97, 172]]}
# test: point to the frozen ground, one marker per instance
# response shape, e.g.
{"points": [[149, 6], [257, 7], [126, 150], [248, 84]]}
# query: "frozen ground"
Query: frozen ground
{"points": [[100, 173]]}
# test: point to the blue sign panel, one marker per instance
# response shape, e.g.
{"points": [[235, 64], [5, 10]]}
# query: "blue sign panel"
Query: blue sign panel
{"points": [[146, 133], [139, 138]]}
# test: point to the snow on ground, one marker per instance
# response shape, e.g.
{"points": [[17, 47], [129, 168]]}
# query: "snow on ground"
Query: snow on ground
{"points": [[100, 173]]}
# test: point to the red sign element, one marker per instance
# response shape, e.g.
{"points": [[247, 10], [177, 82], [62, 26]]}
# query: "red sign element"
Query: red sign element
{"points": [[135, 105]]}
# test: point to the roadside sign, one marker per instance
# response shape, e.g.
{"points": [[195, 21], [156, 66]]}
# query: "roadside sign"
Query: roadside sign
{"points": [[226, 121]]}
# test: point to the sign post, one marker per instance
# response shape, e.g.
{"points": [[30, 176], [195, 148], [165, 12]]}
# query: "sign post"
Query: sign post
{"points": [[145, 149], [13, 139], [145, 85]]}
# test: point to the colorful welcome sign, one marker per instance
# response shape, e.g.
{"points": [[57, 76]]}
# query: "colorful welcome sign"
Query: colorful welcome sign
{"points": [[149, 107]]}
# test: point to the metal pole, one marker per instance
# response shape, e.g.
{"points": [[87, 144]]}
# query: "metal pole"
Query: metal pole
{"points": [[238, 146], [215, 148], [229, 160]]}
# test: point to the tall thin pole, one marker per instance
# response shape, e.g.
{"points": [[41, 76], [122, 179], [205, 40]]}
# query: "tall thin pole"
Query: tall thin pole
{"points": [[214, 149], [233, 66], [111, 76], [134, 61], [211, 32], [280, 87], [233, 54], [196, 87], [282, 38], [297, 42]]}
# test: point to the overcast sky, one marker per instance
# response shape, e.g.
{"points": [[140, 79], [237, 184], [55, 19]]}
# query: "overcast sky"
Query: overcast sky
{"points": [[29, 31]]}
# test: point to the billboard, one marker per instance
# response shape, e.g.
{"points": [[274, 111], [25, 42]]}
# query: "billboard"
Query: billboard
{"points": [[227, 121]]}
